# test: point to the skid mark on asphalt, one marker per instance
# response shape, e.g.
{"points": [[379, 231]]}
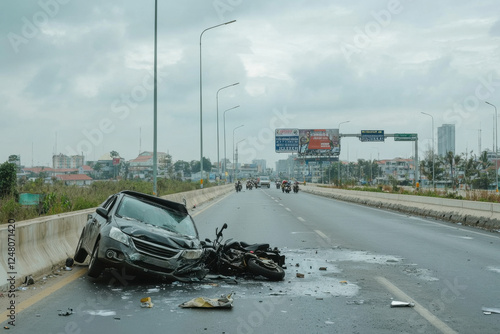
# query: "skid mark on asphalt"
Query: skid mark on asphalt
{"points": [[425, 313]]}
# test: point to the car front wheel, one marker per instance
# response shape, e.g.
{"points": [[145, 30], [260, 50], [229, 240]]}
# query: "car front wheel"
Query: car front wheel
{"points": [[95, 266]]}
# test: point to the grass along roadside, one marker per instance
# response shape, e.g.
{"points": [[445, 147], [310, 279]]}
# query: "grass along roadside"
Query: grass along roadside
{"points": [[59, 198]]}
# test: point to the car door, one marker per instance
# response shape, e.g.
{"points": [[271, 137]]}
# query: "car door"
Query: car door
{"points": [[95, 222]]}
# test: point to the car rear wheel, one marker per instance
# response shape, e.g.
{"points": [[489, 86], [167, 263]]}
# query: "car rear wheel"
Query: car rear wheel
{"points": [[95, 266], [80, 253]]}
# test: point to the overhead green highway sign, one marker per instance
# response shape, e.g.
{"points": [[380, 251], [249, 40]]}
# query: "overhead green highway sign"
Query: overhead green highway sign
{"points": [[405, 136]]}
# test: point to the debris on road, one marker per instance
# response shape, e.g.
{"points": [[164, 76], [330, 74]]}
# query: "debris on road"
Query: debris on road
{"points": [[490, 310], [322, 268], [299, 275], [146, 302], [396, 303], [67, 313], [202, 302]]}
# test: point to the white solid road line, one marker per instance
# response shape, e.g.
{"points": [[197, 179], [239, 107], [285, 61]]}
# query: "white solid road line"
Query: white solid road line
{"points": [[425, 313]]}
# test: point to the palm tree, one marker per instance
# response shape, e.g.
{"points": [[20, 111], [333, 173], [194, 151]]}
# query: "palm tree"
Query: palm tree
{"points": [[449, 159], [457, 159], [483, 160]]}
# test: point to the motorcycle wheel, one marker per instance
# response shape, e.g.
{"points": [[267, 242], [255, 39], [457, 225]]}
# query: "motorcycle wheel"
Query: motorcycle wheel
{"points": [[266, 268]]}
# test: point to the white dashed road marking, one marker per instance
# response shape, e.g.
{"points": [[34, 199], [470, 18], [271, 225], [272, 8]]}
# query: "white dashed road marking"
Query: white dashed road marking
{"points": [[425, 313]]}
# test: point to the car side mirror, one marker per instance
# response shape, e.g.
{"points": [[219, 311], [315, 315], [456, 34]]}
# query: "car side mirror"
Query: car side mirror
{"points": [[102, 212]]}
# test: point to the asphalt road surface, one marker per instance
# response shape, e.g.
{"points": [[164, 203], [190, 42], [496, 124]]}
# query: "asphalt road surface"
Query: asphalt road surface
{"points": [[372, 258]]}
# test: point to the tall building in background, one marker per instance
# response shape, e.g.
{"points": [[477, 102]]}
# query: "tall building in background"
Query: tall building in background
{"points": [[64, 161], [446, 139], [261, 165]]}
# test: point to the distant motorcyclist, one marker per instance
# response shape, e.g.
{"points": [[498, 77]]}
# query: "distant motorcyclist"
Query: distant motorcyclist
{"points": [[283, 185]]}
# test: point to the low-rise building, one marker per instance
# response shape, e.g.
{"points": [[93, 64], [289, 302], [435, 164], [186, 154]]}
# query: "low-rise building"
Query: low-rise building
{"points": [[75, 179]]}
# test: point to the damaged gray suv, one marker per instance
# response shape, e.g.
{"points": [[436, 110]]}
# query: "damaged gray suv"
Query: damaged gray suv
{"points": [[144, 234]]}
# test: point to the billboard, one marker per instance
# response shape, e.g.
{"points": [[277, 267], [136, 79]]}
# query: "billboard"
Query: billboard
{"points": [[319, 142], [287, 140]]}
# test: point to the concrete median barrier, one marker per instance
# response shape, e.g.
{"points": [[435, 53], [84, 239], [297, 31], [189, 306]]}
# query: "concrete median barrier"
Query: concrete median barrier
{"points": [[36, 247], [472, 213]]}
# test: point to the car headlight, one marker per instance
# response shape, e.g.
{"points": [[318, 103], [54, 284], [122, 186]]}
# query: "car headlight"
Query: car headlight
{"points": [[192, 254], [118, 235]]}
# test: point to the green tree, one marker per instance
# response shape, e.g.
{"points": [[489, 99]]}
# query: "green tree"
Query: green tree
{"points": [[182, 166], [470, 168], [195, 165], [7, 179], [483, 160]]}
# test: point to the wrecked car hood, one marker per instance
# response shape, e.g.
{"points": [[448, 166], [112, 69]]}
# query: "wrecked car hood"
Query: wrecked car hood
{"points": [[157, 235]]}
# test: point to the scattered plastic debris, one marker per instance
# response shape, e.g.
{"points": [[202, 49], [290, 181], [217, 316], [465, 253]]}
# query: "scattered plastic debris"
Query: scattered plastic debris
{"points": [[490, 310], [67, 313], [343, 282], [202, 302], [396, 303], [146, 302]]}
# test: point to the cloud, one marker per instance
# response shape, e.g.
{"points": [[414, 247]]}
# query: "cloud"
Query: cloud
{"points": [[91, 62]]}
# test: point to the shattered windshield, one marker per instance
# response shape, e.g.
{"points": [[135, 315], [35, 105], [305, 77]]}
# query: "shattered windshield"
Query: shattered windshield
{"points": [[153, 214]]}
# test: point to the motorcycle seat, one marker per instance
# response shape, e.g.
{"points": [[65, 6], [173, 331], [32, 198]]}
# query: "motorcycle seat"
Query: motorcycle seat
{"points": [[254, 247]]}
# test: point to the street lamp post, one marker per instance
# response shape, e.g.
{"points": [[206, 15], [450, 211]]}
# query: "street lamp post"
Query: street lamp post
{"points": [[217, 100], [155, 132], [201, 104], [233, 145], [496, 144], [236, 156], [433, 177], [224, 118], [338, 174]]}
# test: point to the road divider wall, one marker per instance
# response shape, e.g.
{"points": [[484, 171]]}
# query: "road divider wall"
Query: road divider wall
{"points": [[43, 244], [472, 213]]}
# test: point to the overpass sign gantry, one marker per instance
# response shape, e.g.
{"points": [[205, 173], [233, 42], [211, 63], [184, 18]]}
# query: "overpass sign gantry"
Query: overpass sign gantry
{"points": [[379, 136]]}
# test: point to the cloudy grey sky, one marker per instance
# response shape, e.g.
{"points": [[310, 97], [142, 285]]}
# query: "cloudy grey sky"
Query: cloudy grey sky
{"points": [[76, 76]]}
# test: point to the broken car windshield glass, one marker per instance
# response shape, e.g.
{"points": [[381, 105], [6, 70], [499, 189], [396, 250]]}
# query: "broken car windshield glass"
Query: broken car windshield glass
{"points": [[155, 215]]}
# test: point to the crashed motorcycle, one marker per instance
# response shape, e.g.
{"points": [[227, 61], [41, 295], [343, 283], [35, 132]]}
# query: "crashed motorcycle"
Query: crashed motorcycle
{"points": [[233, 258]]}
